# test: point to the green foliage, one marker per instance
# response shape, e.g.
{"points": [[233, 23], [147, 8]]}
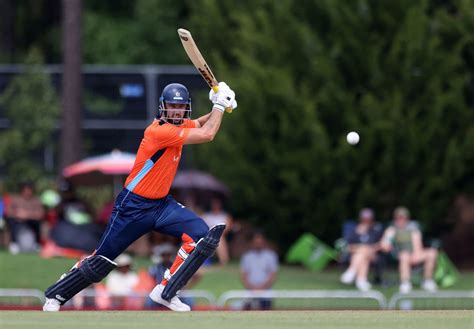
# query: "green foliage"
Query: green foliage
{"points": [[32, 108], [147, 34], [395, 72], [101, 105], [306, 73]]}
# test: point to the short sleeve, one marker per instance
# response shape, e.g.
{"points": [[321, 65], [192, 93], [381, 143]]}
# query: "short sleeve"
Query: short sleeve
{"points": [[189, 124], [273, 262], [168, 135], [244, 263], [413, 226], [353, 237]]}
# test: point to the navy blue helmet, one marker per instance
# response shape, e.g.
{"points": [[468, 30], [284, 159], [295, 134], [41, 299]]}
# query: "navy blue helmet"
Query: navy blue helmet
{"points": [[174, 93]]}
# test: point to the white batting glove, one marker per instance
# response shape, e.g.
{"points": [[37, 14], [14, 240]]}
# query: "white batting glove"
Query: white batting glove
{"points": [[213, 95], [225, 99]]}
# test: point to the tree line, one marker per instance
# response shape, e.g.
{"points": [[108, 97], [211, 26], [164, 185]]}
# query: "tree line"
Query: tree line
{"points": [[307, 72]]}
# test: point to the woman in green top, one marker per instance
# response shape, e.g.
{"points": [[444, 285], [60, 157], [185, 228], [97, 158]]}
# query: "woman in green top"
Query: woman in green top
{"points": [[403, 237]]}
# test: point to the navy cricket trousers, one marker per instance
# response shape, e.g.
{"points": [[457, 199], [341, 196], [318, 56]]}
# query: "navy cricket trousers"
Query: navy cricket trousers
{"points": [[133, 216]]}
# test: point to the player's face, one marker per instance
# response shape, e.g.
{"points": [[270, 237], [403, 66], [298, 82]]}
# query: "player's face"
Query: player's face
{"points": [[176, 113]]}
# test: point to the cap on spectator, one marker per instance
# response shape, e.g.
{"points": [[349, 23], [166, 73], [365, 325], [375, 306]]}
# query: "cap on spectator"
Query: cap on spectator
{"points": [[366, 213], [123, 260], [401, 211], [162, 249]]}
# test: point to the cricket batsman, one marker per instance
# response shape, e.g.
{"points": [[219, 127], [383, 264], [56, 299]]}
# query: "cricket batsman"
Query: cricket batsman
{"points": [[145, 205]]}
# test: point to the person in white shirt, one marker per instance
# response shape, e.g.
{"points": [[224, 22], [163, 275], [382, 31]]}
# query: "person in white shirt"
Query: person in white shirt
{"points": [[121, 281], [258, 269]]}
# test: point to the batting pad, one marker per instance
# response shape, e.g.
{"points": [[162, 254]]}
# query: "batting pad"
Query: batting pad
{"points": [[92, 269], [204, 249]]}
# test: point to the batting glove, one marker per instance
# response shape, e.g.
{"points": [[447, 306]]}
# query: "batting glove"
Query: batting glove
{"points": [[225, 100], [213, 95]]}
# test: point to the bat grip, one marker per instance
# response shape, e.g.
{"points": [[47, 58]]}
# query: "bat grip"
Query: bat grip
{"points": [[216, 89]]}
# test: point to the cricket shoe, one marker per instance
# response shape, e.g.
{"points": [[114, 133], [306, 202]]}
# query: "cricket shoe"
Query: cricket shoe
{"points": [[405, 287], [175, 304], [51, 305], [348, 277], [363, 285], [429, 285]]}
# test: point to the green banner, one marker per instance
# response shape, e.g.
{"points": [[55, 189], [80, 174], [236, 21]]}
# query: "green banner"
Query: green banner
{"points": [[311, 252], [446, 273]]}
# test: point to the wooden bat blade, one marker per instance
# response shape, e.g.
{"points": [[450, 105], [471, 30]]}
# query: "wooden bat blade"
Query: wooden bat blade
{"points": [[199, 62], [196, 58]]}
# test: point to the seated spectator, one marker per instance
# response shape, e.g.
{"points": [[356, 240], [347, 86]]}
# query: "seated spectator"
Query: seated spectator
{"points": [[258, 269], [75, 220], [2, 216], [24, 216], [162, 259], [363, 247], [215, 216], [120, 283], [404, 239]]}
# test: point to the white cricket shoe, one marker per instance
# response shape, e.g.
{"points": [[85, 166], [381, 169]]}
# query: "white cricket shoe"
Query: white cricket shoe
{"points": [[175, 304], [363, 285], [348, 277], [405, 287], [429, 285], [51, 305]]}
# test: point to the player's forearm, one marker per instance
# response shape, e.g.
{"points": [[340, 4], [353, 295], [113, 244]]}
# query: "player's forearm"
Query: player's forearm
{"points": [[203, 119], [212, 125]]}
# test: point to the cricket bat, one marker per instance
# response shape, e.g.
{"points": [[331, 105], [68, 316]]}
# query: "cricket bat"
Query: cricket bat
{"points": [[199, 62]]}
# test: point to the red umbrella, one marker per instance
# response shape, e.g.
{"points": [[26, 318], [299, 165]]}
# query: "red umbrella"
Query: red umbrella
{"points": [[102, 169]]}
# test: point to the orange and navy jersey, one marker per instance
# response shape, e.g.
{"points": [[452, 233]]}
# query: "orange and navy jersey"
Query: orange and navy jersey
{"points": [[157, 159]]}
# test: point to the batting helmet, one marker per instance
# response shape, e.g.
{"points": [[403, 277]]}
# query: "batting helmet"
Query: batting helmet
{"points": [[174, 93]]}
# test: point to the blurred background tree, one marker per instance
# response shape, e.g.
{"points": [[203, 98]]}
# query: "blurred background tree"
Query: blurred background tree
{"points": [[398, 72], [306, 73], [32, 107]]}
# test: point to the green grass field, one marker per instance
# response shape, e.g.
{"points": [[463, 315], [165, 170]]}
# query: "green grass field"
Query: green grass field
{"points": [[31, 271], [239, 320]]}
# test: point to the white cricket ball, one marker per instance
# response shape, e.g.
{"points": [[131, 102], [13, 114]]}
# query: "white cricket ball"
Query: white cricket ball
{"points": [[353, 138]]}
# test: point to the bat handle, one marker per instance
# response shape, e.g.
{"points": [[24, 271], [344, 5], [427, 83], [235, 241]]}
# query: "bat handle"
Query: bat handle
{"points": [[216, 89]]}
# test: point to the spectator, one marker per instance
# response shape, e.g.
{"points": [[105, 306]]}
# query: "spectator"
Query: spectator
{"points": [[363, 247], [404, 238], [50, 199], [24, 215], [121, 281], [215, 216], [258, 269], [75, 220], [162, 259], [3, 224]]}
